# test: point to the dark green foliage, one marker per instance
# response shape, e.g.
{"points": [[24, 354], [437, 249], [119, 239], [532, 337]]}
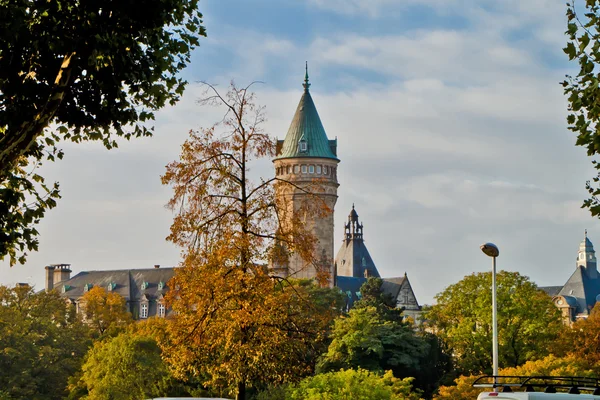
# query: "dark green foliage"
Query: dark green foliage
{"points": [[42, 343], [582, 90], [79, 70], [527, 321]]}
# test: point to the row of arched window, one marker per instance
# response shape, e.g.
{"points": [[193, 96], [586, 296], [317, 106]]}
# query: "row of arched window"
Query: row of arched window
{"points": [[306, 169]]}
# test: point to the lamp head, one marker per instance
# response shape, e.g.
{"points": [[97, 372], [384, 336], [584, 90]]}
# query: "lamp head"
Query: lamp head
{"points": [[490, 249]]}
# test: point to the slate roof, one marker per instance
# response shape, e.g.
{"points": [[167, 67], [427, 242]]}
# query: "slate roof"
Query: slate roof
{"points": [[351, 285], [353, 256], [583, 288], [551, 290], [128, 282], [306, 125]]}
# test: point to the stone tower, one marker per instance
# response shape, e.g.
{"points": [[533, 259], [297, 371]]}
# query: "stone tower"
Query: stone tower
{"points": [[306, 161]]}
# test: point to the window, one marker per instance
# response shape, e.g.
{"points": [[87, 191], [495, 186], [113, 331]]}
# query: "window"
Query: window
{"points": [[161, 285], [144, 285], [296, 169], [326, 170], [304, 169], [87, 287], [287, 169], [318, 169], [311, 169], [111, 286], [302, 146], [143, 310], [161, 310]]}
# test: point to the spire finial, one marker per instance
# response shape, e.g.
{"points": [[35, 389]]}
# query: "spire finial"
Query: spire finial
{"points": [[306, 84]]}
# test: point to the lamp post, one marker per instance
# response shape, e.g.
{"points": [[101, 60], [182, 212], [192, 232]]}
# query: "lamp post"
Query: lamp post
{"points": [[491, 250]]}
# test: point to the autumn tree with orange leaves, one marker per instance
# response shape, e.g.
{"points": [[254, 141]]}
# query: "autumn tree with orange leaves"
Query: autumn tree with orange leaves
{"points": [[235, 323]]}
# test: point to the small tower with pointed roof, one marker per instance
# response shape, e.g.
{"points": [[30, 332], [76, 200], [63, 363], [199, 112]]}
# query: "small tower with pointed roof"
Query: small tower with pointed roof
{"points": [[353, 258], [586, 257], [306, 161]]}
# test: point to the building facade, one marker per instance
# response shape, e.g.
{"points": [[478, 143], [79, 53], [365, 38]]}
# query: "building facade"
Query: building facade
{"points": [[143, 289], [576, 298]]}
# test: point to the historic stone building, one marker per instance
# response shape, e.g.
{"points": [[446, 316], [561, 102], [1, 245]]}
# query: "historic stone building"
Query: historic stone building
{"points": [[579, 294], [354, 266], [143, 289], [308, 160]]}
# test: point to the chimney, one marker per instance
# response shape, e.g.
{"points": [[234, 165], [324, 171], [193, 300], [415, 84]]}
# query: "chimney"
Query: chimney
{"points": [[156, 266], [49, 278], [62, 272]]}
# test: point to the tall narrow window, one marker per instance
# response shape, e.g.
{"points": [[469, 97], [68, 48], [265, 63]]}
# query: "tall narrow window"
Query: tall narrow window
{"points": [[296, 169], [144, 310], [304, 169], [161, 310], [287, 169], [326, 170], [318, 169], [311, 169]]}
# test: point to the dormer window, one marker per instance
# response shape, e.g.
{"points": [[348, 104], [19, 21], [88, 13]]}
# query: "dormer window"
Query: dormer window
{"points": [[87, 287], [111, 286], [161, 285], [302, 146], [66, 288], [144, 285]]}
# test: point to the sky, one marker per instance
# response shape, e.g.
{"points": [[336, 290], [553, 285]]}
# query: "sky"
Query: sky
{"points": [[451, 129]]}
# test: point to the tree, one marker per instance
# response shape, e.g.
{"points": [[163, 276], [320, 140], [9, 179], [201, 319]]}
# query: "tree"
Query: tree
{"points": [[548, 366], [353, 384], [42, 343], [364, 339], [79, 70], [527, 321], [583, 340], [582, 90], [105, 311], [234, 321], [125, 367]]}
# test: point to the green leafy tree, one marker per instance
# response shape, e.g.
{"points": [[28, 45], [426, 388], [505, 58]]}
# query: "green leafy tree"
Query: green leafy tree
{"points": [[125, 367], [42, 343], [582, 90], [79, 70], [527, 321], [353, 384], [365, 339]]}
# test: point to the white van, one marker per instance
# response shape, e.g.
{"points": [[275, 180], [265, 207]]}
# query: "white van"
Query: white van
{"points": [[535, 396], [539, 388]]}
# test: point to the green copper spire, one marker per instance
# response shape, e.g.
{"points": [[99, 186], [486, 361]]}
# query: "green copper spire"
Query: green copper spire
{"points": [[306, 136], [306, 84]]}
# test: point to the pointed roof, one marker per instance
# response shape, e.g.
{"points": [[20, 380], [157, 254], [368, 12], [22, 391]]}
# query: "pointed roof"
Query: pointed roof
{"points": [[583, 288], [353, 258], [306, 125]]}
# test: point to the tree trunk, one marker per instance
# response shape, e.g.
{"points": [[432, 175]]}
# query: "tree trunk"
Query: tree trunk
{"points": [[241, 394]]}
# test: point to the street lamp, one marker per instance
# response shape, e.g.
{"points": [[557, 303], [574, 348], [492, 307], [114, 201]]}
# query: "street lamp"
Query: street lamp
{"points": [[491, 250]]}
